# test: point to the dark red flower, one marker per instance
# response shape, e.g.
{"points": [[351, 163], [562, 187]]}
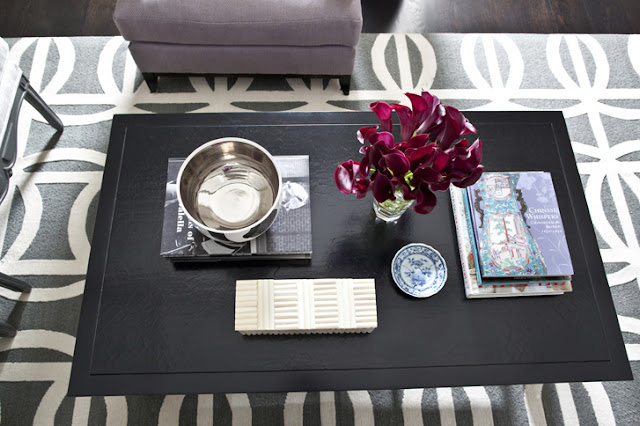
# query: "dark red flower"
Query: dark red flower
{"points": [[373, 155], [398, 163], [427, 111], [382, 188], [415, 142], [407, 123], [453, 125], [361, 187], [365, 133], [401, 184], [345, 176], [428, 156], [432, 154], [426, 175], [426, 200], [383, 111], [464, 157], [471, 178], [385, 138], [364, 163], [443, 185]]}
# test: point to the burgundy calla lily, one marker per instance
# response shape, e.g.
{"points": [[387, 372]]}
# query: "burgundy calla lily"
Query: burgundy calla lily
{"points": [[362, 186], [397, 163], [434, 151], [401, 184], [422, 155], [365, 133], [363, 171], [382, 188], [383, 111], [440, 186], [465, 158], [415, 142], [471, 178], [433, 114], [419, 106], [426, 175], [345, 176], [385, 138], [426, 200], [407, 123]]}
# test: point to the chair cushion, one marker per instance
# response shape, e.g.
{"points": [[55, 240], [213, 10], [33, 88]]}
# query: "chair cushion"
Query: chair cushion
{"points": [[202, 59], [241, 22]]}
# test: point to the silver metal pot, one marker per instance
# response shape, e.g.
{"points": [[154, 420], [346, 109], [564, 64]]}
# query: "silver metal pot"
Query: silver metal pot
{"points": [[230, 189]]}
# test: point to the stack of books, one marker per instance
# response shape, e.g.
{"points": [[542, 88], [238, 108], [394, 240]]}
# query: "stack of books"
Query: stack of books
{"points": [[288, 238], [511, 237]]}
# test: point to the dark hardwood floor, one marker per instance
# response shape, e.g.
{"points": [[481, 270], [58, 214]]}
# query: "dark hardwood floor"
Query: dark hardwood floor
{"points": [[93, 17]]}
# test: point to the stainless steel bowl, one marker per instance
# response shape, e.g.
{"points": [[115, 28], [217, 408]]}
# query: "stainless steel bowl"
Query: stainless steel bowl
{"points": [[230, 188]]}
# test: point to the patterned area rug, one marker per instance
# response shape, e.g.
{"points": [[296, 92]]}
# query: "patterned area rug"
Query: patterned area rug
{"points": [[46, 221]]}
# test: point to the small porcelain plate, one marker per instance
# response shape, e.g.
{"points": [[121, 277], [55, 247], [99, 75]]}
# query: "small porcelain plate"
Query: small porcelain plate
{"points": [[419, 270]]}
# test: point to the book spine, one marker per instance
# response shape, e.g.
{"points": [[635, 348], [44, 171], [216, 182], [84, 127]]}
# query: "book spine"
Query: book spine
{"points": [[460, 221], [472, 237]]}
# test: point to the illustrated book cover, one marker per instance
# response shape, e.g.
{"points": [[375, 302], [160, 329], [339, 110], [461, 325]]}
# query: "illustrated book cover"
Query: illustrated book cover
{"points": [[289, 237], [518, 227], [474, 285]]}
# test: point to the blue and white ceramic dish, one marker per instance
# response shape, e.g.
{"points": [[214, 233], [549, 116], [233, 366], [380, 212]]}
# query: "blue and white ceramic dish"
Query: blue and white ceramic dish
{"points": [[419, 270]]}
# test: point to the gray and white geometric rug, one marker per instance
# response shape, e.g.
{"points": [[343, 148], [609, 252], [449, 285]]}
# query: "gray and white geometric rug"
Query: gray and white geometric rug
{"points": [[46, 221]]}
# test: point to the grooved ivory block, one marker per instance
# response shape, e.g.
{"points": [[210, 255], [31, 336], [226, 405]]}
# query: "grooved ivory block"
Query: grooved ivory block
{"points": [[329, 305]]}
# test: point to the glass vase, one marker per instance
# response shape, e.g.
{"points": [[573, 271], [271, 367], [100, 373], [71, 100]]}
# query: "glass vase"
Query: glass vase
{"points": [[390, 211]]}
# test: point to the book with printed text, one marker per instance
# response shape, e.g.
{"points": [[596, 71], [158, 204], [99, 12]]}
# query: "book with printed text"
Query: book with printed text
{"points": [[477, 287], [518, 227], [288, 238]]}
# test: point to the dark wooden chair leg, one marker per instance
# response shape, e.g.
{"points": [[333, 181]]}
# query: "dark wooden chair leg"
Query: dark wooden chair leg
{"points": [[4, 184], [152, 81], [345, 83], [7, 330], [14, 283], [40, 105], [10, 144]]}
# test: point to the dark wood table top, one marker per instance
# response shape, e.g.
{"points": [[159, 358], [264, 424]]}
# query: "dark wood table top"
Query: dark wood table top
{"points": [[150, 326]]}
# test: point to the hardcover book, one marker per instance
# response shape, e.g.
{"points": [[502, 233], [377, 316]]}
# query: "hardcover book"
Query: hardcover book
{"points": [[474, 285], [518, 227], [289, 237]]}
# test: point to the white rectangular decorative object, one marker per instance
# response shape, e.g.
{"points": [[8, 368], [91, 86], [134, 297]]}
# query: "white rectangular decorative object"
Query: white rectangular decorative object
{"points": [[329, 305]]}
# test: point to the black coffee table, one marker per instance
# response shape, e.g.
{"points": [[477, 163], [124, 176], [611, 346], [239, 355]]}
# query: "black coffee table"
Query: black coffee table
{"points": [[150, 326]]}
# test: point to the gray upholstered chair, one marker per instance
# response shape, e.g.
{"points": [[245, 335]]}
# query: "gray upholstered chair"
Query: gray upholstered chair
{"points": [[14, 88], [246, 37]]}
